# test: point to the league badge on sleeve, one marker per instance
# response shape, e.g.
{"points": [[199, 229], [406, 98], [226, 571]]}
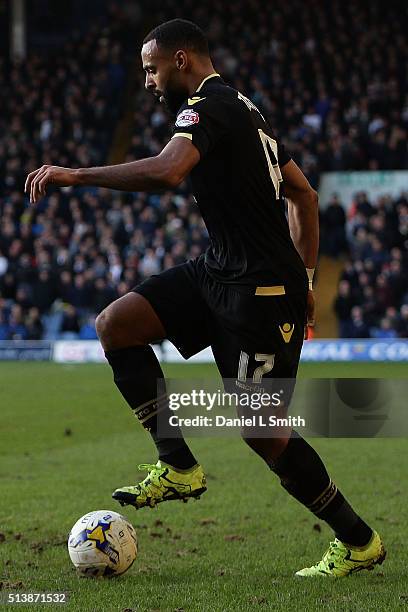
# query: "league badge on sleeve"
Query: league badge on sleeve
{"points": [[187, 117]]}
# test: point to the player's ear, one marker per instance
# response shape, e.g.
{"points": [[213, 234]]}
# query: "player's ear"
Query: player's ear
{"points": [[181, 59]]}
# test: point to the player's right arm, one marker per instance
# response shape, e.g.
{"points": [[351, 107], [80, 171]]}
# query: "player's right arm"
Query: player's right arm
{"points": [[164, 171], [303, 217]]}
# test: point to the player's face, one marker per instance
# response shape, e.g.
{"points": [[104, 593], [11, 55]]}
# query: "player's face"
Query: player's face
{"points": [[164, 75]]}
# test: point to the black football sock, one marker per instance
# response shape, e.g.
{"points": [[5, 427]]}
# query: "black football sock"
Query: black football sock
{"points": [[304, 476], [140, 379]]}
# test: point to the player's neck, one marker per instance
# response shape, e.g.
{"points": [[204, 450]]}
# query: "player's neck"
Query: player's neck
{"points": [[199, 76]]}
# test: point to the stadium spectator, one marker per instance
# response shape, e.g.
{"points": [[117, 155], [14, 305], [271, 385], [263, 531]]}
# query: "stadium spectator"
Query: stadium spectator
{"points": [[385, 330], [87, 331], [343, 306], [44, 292], [35, 328], [373, 280], [335, 106], [103, 295], [333, 223], [4, 328], [402, 321], [70, 323], [16, 327], [356, 325]]}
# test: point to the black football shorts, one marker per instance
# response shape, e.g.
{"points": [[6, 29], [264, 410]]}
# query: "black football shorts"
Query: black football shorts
{"points": [[254, 332]]}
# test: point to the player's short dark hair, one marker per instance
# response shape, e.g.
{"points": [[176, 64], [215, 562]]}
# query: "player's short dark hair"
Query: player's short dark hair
{"points": [[179, 34]]}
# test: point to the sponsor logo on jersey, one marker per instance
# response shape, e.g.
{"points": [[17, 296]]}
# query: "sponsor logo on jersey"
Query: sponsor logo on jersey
{"points": [[194, 100], [286, 330], [187, 117]]}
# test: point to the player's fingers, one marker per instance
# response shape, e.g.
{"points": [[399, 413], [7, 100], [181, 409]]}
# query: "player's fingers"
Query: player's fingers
{"points": [[42, 184], [32, 189], [34, 192], [31, 176], [29, 179], [32, 185]]}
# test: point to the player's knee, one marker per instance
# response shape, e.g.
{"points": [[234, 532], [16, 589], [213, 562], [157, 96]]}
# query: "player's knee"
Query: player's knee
{"points": [[116, 330], [108, 326], [103, 324]]}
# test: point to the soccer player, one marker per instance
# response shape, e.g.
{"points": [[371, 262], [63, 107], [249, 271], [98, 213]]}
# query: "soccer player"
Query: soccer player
{"points": [[248, 297]]}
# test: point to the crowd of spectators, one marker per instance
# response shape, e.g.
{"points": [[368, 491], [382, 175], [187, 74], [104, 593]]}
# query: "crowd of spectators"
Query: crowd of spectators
{"points": [[57, 107], [372, 298], [330, 77], [83, 252]]}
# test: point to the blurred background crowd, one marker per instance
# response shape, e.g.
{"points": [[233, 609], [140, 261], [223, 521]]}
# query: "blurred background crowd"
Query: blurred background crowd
{"points": [[372, 298], [331, 78]]}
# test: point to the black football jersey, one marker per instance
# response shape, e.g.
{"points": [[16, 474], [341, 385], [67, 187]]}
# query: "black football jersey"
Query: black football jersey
{"points": [[238, 187]]}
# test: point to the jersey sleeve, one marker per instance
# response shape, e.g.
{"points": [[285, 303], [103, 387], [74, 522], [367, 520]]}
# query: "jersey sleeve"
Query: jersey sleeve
{"points": [[203, 121], [283, 155]]}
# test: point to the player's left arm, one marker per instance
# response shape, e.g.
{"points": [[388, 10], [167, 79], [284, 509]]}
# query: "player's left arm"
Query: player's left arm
{"points": [[303, 217], [164, 171], [303, 213]]}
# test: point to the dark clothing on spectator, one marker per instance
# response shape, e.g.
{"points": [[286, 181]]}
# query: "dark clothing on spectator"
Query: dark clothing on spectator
{"points": [[70, 323]]}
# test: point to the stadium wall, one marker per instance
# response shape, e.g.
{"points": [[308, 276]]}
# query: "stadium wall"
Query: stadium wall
{"points": [[89, 351]]}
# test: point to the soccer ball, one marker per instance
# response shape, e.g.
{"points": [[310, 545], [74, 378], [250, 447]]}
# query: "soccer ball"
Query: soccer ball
{"points": [[102, 543]]}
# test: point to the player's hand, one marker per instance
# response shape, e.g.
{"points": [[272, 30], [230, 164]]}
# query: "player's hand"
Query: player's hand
{"points": [[310, 312], [37, 181]]}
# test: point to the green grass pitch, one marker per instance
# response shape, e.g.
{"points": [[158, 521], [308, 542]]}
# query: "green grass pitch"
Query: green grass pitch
{"points": [[67, 440]]}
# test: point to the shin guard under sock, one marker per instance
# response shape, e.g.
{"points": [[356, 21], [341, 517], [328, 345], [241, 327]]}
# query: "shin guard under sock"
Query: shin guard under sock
{"points": [[140, 379], [304, 476]]}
